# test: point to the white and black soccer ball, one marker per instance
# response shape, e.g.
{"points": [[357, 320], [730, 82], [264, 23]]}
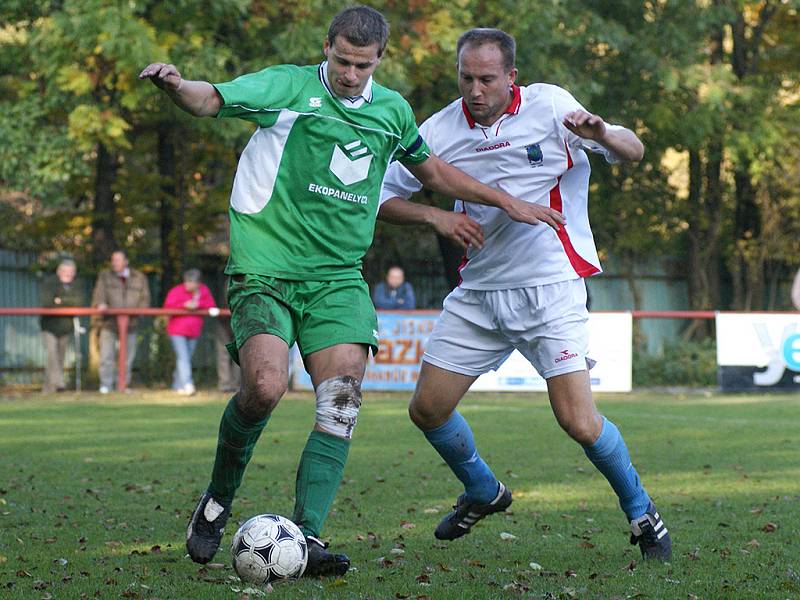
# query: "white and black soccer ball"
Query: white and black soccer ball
{"points": [[269, 548]]}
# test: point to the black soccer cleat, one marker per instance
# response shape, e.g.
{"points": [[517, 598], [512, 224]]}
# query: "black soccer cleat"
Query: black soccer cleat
{"points": [[465, 515], [206, 528], [652, 536], [322, 563]]}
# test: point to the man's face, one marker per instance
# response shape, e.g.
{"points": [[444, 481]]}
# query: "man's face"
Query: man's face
{"points": [[349, 66], [118, 262], [66, 273], [191, 286], [484, 83], [395, 278]]}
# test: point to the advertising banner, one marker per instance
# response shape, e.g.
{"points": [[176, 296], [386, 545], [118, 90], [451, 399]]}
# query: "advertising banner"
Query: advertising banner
{"points": [[403, 335], [758, 351]]}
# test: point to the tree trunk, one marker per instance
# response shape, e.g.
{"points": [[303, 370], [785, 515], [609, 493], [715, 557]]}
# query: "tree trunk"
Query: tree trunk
{"points": [[103, 243], [166, 169]]}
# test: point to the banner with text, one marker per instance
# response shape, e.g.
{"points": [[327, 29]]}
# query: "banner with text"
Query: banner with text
{"points": [[758, 351], [403, 336]]}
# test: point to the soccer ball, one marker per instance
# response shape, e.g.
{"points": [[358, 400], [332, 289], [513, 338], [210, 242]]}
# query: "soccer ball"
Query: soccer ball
{"points": [[269, 548]]}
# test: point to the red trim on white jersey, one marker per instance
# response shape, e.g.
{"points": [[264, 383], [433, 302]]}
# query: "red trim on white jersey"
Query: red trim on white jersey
{"points": [[464, 259], [581, 266], [511, 109]]}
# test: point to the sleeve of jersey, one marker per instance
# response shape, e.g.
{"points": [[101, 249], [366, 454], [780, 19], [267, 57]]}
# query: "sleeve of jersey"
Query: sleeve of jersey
{"points": [[249, 94], [563, 103], [412, 147], [398, 180]]}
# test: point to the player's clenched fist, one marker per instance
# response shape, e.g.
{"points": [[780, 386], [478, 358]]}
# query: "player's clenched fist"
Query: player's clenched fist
{"points": [[527, 212], [162, 75], [585, 125]]}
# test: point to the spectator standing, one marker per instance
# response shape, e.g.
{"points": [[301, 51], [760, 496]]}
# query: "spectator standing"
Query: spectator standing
{"points": [[796, 291], [58, 291], [118, 287], [395, 293], [185, 330], [228, 372]]}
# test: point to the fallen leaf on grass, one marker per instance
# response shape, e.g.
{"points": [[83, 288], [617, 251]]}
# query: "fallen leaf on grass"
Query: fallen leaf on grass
{"points": [[754, 543], [535, 566], [585, 544], [769, 528], [407, 524], [504, 535], [515, 587]]}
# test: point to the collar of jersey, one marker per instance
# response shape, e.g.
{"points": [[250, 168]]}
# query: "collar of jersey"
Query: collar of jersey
{"points": [[366, 94], [511, 109]]}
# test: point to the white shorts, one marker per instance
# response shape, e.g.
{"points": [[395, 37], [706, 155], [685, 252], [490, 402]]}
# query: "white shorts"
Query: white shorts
{"points": [[479, 329]]}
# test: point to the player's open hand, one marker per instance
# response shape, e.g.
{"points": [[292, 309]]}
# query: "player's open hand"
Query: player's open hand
{"points": [[585, 125], [458, 228], [163, 76], [533, 214]]}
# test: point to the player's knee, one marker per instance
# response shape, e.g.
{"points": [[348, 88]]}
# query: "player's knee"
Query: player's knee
{"points": [[260, 395], [338, 403], [583, 430], [424, 414]]}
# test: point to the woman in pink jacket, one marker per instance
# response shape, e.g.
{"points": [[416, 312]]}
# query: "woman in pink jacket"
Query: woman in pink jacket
{"points": [[185, 330]]}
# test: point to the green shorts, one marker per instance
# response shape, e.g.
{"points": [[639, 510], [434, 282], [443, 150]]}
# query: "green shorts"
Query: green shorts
{"points": [[315, 314]]}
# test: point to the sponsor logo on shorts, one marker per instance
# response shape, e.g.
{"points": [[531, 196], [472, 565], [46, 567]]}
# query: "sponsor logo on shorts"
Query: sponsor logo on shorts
{"points": [[497, 146], [315, 102], [566, 355]]}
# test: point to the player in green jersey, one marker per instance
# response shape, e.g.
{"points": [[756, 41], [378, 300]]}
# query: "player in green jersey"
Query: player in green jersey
{"points": [[303, 208]]}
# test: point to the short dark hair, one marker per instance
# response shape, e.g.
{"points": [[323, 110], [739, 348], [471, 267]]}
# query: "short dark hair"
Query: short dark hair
{"points": [[361, 26], [482, 35]]}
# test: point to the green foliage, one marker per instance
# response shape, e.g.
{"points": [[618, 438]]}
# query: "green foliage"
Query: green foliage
{"points": [[97, 492], [69, 83], [689, 364]]}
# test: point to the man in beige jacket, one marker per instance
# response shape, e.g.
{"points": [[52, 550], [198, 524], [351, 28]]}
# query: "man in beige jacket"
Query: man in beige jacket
{"points": [[119, 287]]}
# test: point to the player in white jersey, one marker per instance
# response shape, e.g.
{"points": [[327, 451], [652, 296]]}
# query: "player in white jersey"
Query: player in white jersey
{"points": [[524, 288]]}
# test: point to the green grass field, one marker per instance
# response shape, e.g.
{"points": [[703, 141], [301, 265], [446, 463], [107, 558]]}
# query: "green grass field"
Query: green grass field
{"points": [[95, 495]]}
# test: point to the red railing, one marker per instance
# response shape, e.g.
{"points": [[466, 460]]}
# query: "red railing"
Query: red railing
{"points": [[123, 316]]}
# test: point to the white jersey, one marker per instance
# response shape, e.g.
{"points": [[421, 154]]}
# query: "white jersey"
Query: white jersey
{"points": [[531, 155]]}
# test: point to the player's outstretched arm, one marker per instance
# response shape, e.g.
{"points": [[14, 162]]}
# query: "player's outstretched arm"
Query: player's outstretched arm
{"points": [[622, 142], [456, 227], [198, 98], [444, 178]]}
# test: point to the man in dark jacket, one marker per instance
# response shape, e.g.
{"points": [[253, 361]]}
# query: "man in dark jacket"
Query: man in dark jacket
{"points": [[119, 287], [395, 293], [58, 291]]}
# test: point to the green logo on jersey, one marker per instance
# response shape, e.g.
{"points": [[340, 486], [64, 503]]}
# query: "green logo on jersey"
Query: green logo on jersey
{"points": [[350, 165]]}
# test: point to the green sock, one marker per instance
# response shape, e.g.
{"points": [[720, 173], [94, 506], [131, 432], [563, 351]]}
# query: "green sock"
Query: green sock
{"points": [[237, 439], [318, 477]]}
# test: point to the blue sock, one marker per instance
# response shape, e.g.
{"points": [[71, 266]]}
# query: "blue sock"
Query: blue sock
{"points": [[610, 455], [454, 442]]}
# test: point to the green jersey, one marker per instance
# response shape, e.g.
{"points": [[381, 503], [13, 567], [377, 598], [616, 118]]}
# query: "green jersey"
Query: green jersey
{"points": [[306, 192]]}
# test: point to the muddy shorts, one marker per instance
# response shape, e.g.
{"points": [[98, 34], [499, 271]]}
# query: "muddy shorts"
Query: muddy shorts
{"points": [[315, 314]]}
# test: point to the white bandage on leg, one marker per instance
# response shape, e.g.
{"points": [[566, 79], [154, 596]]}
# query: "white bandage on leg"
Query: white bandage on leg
{"points": [[338, 401]]}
